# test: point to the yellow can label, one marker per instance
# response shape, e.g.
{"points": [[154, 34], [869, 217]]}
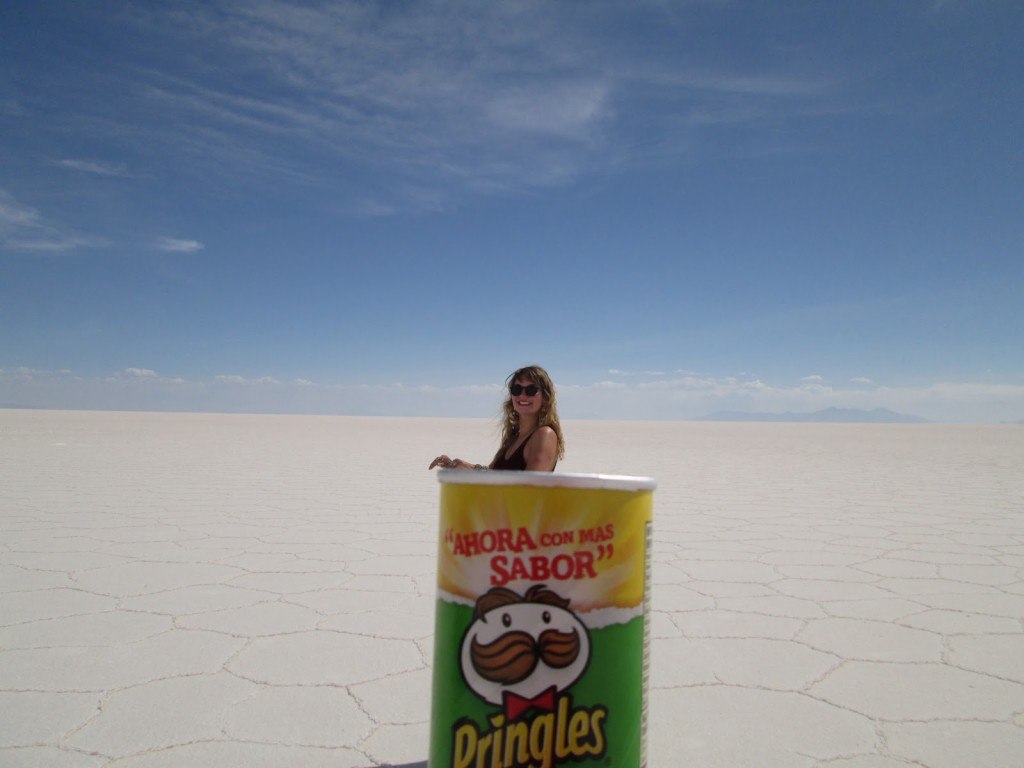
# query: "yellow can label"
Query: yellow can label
{"points": [[593, 539]]}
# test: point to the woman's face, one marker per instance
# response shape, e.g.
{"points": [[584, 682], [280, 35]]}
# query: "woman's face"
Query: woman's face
{"points": [[524, 403]]}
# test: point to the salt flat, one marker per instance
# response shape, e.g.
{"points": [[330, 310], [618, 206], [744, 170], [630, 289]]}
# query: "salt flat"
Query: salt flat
{"points": [[215, 590]]}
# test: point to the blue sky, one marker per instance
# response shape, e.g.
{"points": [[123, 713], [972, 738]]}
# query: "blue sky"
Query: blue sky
{"points": [[383, 208]]}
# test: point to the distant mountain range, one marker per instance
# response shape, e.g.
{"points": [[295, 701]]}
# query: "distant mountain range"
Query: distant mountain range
{"points": [[828, 415]]}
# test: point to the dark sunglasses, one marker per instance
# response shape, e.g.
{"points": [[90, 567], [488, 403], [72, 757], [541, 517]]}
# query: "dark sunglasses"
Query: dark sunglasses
{"points": [[518, 389]]}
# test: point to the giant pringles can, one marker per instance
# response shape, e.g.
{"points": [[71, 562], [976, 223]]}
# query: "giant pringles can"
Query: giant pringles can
{"points": [[541, 631]]}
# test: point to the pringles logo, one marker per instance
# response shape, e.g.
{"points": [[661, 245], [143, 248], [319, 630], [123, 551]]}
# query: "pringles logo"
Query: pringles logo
{"points": [[522, 654]]}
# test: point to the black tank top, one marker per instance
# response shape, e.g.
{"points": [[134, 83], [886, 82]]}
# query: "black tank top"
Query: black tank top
{"points": [[517, 461]]}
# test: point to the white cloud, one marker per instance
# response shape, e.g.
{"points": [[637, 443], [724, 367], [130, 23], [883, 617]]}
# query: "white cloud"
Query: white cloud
{"points": [[175, 245], [140, 373], [567, 110], [53, 243], [373, 209], [14, 215], [618, 372], [23, 228], [21, 373], [97, 168], [139, 377], [693, 397], [813, 379], [754, 84], [861, 380], [683, 398], [246, 382]]}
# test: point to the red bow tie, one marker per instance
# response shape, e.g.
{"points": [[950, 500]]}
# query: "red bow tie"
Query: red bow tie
{"points": [[515, 705]]}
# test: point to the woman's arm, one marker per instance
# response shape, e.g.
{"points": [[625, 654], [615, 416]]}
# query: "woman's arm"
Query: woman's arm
{"points": [[448, 463], [541, 451]]}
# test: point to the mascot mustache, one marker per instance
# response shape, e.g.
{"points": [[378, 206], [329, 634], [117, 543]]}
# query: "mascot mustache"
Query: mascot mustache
{"points": [[513, 656]]}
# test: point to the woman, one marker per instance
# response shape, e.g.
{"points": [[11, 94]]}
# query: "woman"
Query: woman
{"points": [[531, 437]]}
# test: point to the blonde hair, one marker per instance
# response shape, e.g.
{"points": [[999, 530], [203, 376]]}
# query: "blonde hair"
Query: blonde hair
{"points": [[548, 416]]}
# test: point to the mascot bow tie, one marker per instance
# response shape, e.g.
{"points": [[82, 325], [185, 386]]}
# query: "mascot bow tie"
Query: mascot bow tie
{"points": [[515, 705]]}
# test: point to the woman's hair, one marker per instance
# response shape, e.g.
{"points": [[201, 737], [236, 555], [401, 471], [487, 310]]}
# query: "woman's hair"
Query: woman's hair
{"points": [[548, 416]]}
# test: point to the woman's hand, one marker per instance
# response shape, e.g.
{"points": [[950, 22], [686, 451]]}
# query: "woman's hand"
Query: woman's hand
{"points": [[445, 463]]}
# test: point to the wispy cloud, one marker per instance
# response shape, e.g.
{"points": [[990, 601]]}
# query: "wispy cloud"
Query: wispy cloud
{"points": [[23, 228], [747, 84], [620, 372], [374, 209], [463, 96], [176, 245], [94, 167], [567, 110], [15, 216]]}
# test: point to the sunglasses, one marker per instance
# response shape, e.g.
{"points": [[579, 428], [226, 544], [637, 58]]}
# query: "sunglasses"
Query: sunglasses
{"points": [[529, 390]]}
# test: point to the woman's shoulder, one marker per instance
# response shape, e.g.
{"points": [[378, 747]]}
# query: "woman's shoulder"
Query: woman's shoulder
{"points": [[544, 434]]}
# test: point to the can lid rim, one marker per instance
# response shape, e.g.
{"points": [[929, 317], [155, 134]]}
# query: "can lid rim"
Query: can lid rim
{"points": [[548, 480]]}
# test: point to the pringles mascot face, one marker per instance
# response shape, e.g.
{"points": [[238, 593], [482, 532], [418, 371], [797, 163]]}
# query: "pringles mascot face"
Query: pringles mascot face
{"points": [[521, 651]]}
